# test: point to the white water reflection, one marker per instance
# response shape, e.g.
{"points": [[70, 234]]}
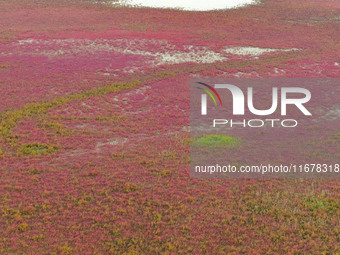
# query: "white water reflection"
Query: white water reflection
{"points": [[189, 5]]}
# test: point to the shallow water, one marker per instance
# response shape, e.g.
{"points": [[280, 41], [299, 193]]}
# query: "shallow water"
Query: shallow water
{"points": [[190, 5]]}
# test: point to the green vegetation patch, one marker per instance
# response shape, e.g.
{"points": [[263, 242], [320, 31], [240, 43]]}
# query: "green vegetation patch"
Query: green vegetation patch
{"points": [[314, 203], [337, 136], [34, 149], [217, 141], [56, 127]]}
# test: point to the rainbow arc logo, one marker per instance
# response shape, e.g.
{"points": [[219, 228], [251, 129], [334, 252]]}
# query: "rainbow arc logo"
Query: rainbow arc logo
{"points": [[209, 93]]}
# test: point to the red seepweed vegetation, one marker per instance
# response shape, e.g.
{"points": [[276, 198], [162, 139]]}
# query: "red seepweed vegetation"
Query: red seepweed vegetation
{"points": [[95, 161]]}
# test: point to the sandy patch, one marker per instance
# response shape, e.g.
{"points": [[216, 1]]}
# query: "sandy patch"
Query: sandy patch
{"points": [[154, 52], [162, 51], [254, 51], [110, 142]]}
